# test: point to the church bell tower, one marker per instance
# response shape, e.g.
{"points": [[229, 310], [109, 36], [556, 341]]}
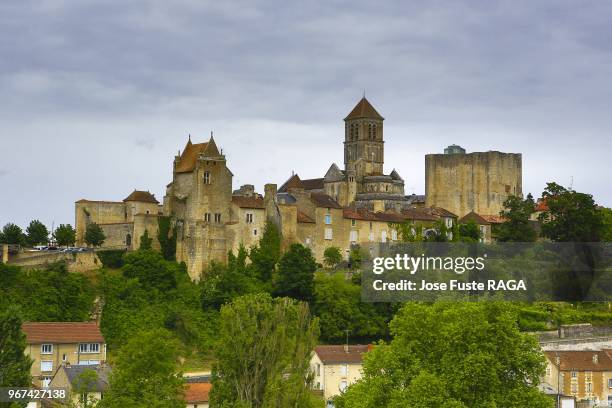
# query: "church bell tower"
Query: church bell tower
{"points": [[363, 142]]}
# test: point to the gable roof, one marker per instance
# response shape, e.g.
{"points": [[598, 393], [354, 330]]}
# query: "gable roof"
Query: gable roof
{"points": [[336, 354], [417, 214], [323, 200], [494, 219], [313, 184], [141, 196], [103, 371], [248, 202], [364, 109], [187, 161], [364, 214], [583, 360], [334, 174], [197, 392], [62, 332], [472, 216], [293, 182], [440, 212]]}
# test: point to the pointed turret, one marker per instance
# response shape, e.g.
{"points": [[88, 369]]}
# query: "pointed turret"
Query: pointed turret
{"points": [[211, 149]]}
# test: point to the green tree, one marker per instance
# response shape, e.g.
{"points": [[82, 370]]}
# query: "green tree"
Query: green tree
{"points": [[51, 294], [571, 216], [14, 364], [332, 256], [12, 234], [37, 233], [83, 386], [263, 354], [606, 214], [265, 256], [94, 235], [452, 354], [408, 231], [517, 228], [337, 303], [355, 257], [295, 276], [145, 241], [151, 269], [146, 374], [468, 232], [221, 284], [65, 235], [166, 236]]}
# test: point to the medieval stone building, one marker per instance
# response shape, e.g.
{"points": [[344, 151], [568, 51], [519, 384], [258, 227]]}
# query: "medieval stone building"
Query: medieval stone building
{"points": [[356, 205]]}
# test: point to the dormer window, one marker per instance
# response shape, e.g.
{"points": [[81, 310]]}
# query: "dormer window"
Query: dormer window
{"points": [[206, 177]]}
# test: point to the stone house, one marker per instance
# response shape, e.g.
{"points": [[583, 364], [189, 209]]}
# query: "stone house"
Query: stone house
{"points": [[53, 344], [73, 379], [583, 374], [335, 367]]}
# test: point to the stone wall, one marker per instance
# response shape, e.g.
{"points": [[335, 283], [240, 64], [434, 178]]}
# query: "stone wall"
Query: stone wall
{"points": [[75, 262], [478, 182]]}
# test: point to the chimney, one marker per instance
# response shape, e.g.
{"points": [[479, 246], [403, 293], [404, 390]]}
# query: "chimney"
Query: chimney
{"points": [[269, 193]]}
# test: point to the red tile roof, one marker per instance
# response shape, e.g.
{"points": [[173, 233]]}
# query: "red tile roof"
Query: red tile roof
{"points": [[417, 214], [541, 205], [367, 215], [62, 332], [248, 202], [337, 354], [494, 219], [188, 159], [581, 360], [476, 218], [440, 212], [197, 392]]}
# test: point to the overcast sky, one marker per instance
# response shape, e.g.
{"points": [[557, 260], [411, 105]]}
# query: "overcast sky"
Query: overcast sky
{"points": [[96, 97]]}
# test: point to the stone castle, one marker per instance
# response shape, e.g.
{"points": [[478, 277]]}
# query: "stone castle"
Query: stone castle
{"points": [[356, 205]]}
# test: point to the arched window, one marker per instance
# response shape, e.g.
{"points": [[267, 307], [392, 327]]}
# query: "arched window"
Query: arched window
{"points": [[128, 240]]}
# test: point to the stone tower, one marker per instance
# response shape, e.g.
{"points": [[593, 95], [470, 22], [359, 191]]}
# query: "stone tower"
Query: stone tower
{"points": [[462, 182], [363, 142]]}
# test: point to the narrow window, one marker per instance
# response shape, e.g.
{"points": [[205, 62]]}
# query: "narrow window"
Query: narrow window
{"points": [[46, 349], [328, 219], [217, 217], [353, 222], [206, 177], [207, 217], [249, 218]]}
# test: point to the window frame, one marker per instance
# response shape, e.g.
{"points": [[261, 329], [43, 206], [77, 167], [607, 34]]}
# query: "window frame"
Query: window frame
{"points": [[87, 348], [42, 348], [328, 219], [329, 234], [207, 178], [46, 363]]}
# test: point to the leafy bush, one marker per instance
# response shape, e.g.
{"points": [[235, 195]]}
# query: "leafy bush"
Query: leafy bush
{"points": [[111, 258]]}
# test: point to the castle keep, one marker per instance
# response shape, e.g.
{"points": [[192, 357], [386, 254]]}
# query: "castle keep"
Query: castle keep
{"points": [[354, 205]]}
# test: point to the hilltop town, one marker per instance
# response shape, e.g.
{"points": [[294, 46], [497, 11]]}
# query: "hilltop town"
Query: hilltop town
{"points": [[215, 290], [347, 207]]}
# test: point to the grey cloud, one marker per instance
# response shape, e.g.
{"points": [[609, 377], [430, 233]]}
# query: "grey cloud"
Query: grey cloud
{"points": [[274, 80]]}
